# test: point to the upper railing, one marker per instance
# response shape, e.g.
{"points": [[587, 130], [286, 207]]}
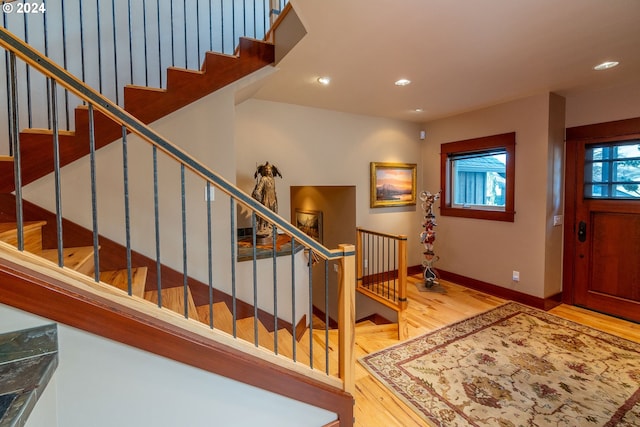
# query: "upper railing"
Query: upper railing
{"points": [[109, 44], [381, 270], [204, 237]]}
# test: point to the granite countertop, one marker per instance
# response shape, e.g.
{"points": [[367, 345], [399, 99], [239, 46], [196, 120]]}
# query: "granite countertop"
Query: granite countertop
{"points": [[28, 359]]}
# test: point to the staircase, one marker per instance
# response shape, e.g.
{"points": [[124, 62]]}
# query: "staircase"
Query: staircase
{"points": [[146, 104], [184, 302], [81, 258]]}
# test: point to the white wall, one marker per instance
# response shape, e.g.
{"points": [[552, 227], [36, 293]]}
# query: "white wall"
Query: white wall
{"points": [[312, 146], [103, 383]]}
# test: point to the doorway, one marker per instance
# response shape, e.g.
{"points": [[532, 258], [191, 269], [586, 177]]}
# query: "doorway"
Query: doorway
{"points": [[602, 211], [335, 208]]}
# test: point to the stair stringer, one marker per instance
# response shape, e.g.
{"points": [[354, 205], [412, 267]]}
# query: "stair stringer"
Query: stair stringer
{"points": [[146, 104]]}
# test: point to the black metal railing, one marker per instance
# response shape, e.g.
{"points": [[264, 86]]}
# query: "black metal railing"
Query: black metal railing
{"points": [[109, 44], [381, 271], [193, 240]]}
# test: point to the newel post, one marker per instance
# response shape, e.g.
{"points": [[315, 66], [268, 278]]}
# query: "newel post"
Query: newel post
{"points": [[346, 317]]}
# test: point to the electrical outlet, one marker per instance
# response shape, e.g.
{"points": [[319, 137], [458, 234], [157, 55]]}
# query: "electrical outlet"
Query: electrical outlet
{"points": [[335, 267], [515, 276]]}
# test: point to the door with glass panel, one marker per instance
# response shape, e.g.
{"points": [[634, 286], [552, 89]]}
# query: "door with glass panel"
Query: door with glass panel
{"points": [[602, 234]]}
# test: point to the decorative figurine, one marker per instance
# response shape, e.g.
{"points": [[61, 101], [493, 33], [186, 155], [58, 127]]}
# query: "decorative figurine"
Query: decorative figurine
{"points": [[265, 192], [427, 237]]}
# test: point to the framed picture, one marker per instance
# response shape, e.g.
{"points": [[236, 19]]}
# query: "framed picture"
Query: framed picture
{"points": [[310, 222], [393, 184]]}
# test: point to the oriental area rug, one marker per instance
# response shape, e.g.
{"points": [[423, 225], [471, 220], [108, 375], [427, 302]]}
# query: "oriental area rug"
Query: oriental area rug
{"points": [[514, 366]]}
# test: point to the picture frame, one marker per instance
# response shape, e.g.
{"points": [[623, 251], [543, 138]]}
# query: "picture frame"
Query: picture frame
{"points": [[310, 222], [393, 184]]}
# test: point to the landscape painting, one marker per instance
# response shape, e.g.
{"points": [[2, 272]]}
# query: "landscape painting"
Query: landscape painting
{"points": [[393, 184], [310, 222]]}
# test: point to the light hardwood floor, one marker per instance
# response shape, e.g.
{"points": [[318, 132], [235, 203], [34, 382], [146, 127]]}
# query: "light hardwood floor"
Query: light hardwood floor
{"points": [[377, 407]]}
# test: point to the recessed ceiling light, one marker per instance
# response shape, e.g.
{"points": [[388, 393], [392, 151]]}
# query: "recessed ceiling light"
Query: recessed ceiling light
{"points": [[324, 80], [606, 65], [402, 82], [418, 110]]}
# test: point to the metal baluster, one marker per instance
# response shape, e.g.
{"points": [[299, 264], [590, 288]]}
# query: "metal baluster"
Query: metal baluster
{"points": [[210, 254], [293, 297], [64, 61], [94, 199], [81, 40], [311, 308], [233, 266], [275, 290], [222, 25], [378, 268], [389, 271], [144, 33], [184, 14], [46, 53], [14, 140], [198, 33], [160, 71], [210, 26], [99, 46], [157, 223], [395, 268], [115, 51], [184, 241], [28, 73], [127, 218], [130, 42], [233, 25], [56, 170], [255, 277], [173, 51]]}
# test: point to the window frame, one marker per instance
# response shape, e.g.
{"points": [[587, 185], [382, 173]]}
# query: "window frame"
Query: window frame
{"points": [[506, 142]]}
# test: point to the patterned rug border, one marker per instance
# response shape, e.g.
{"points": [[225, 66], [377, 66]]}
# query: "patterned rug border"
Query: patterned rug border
{"points": [[485, 319]]}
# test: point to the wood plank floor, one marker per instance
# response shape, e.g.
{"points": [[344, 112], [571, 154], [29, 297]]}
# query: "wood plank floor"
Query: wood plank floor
{"points": [[377, 407]]}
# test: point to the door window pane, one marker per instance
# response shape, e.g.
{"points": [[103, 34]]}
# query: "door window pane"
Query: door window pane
{"points": [[612, 171]]}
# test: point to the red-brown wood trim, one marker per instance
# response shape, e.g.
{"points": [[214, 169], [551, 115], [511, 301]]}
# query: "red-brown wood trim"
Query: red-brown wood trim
{"points": [[617, 130], [507, 141], [614, 129], [36, 293], [499, 291]]}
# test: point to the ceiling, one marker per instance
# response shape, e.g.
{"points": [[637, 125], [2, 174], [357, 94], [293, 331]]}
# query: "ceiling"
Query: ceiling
{"points": [[460, 55]]}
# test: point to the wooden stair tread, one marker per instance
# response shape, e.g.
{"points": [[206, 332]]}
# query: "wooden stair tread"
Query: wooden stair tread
{"points": [[173, 299], [79, 258], [10, 228], [246, 331], [120, 279]]}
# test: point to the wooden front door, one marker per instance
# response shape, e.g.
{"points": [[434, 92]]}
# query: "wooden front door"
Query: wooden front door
{"points": [[602, 228]]}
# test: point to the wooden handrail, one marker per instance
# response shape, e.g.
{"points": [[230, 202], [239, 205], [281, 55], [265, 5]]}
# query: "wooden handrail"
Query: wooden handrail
{"points": [[345, 254], [36, 286]]}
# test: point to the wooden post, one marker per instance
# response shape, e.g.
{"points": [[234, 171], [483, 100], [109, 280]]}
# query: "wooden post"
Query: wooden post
{"points": [[402, 287], [346, 318]]}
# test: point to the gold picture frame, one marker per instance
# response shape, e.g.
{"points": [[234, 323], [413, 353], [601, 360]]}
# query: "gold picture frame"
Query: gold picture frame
{"points": [[310, 222], [393, 184]]}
